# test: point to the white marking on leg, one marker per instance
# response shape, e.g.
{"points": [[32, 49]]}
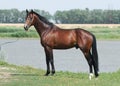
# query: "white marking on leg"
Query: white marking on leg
{"points": [[90, 76]]}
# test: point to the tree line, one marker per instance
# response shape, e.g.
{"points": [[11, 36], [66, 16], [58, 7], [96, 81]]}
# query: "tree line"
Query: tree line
{"points": [[16, 16], [73, 16]]}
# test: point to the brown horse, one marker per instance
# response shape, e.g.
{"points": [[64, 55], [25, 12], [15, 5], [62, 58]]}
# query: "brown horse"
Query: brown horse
{"points": [[53, 37]]}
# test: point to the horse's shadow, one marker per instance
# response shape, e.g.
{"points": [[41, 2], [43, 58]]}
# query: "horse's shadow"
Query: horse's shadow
{"points": [[24, 74]]}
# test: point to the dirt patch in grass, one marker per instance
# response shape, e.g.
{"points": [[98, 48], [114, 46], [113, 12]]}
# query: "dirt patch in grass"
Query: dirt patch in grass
{"points": [[4, 72], [5, 75]]}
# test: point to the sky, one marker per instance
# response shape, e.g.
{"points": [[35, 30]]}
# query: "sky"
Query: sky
{"points": [[53, 5]]}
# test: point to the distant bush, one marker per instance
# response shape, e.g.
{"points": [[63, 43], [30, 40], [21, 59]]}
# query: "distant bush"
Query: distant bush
{"points": [[24, 34], [16, 32]]}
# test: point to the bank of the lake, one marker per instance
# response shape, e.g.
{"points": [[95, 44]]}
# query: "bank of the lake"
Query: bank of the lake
{"points": [[12, 75]]}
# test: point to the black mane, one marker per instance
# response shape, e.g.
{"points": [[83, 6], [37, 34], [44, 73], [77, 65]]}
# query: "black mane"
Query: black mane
{"points": [[43, 19]]}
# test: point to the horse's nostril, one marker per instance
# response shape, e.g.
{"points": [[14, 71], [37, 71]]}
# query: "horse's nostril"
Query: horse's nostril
{"points": [[25, 27]]}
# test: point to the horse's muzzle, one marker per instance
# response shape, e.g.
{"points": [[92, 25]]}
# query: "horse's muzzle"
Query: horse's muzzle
{"points": [[26, 27]]}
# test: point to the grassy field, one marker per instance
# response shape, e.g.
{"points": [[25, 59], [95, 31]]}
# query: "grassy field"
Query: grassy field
{"points": [[11, 75], [15, 31], [101, 31]]}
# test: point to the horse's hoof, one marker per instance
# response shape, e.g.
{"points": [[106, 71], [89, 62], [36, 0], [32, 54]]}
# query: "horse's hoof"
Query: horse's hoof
{"points": [[91, 75], [53, 72], [47, 74]]}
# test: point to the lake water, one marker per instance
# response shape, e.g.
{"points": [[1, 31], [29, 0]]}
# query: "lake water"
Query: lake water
{"points": [[30, 52]]}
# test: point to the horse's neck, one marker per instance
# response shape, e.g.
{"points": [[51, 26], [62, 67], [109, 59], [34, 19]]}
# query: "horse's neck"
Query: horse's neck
{"points": [[41, 27]]}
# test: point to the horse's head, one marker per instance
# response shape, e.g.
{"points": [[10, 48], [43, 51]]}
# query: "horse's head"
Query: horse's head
{"points": [[29, 20]]}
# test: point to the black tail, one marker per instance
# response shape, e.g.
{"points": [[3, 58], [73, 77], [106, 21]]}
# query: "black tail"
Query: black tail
{"points": [[95, 54]]}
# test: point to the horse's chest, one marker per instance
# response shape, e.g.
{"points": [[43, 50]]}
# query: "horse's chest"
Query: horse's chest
{"points": [[48, 41]]}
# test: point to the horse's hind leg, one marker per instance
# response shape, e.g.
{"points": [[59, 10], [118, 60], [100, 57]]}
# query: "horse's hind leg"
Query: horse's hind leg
{"points": [[90, 63]]}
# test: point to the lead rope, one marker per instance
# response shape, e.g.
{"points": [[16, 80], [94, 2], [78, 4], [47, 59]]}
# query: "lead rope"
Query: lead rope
{"points": [[2, 54], [8, 42]]}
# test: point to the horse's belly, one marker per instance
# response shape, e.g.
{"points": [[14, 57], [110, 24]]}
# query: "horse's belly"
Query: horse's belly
{"points": [[64, 45]]}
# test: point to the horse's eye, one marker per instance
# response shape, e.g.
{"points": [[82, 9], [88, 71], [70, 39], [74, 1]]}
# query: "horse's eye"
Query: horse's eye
{"points": [[30, 18]]}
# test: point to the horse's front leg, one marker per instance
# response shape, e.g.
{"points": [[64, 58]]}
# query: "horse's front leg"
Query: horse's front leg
{"points": [[49, 59]]}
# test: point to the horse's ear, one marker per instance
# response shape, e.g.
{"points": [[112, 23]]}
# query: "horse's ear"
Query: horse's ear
{"points": [[32, 10], [26, 11]]}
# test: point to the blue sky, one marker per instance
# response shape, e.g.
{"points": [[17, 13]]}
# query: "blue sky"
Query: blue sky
{"points": [[53, 5]]}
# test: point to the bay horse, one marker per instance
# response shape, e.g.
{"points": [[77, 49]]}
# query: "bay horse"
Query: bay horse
{"points": [[53, 37]]}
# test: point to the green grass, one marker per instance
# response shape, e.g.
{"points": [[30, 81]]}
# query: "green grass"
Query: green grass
{"points": [[28, 76], [106, 33], [102, 33], [12, 31]]}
